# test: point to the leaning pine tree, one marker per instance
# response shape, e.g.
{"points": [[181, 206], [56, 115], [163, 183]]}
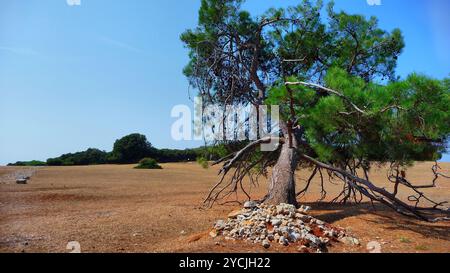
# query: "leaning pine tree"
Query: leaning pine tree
{"points": [[342, 107]]}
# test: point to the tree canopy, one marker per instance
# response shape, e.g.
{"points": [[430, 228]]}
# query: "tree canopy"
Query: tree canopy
{"points": [[402, 121], [131, 148], [234, 57]]}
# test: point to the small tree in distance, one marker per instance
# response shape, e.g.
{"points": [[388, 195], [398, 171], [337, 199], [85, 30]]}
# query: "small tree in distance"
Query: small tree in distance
{"points": [[342, 106], [130, 149]]}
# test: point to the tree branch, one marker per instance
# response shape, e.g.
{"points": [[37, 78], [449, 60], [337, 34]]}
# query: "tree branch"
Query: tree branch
{"points": [[380, 194], [327, 90]]}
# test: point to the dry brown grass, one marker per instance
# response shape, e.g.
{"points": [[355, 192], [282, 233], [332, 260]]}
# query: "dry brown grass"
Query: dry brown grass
{"points": [[119, 209]]}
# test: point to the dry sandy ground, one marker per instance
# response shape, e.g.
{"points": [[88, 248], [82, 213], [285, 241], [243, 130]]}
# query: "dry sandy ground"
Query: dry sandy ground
{"points": [[119, 209]]}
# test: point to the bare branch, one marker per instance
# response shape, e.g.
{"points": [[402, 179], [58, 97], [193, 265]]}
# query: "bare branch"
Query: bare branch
{"points": [[243, 166]]}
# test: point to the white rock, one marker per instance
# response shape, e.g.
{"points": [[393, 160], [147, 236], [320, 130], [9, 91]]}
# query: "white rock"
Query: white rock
{"points": [[276, 222], [250, 204], [21, 181], [276, 237], [287, 225], [280, 209], [348, 240], [319, 222], [220, 224], [294, 236], [313, 239], [283, 241]]}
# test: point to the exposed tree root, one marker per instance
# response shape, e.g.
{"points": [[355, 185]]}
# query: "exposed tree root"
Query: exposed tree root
{"points": [[355, 188]]}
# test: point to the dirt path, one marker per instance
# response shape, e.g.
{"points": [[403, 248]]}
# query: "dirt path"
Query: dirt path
{"points": [[119, 209]]}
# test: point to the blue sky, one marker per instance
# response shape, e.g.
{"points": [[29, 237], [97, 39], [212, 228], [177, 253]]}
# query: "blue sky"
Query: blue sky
{"points": [[73, 77]]}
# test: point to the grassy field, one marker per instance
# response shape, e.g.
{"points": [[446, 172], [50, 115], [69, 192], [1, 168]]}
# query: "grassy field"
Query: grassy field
{"points": [[113, 208]]}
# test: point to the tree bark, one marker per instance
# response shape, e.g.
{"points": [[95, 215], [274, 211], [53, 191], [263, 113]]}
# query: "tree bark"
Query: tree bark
{"points": [[282, 181]]}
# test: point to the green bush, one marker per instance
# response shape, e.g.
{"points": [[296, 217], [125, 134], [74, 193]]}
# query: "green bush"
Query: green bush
{"points": [[202, 161], [31, 163], [148, 163]]}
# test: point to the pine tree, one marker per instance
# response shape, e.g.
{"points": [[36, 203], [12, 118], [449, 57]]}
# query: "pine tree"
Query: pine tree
{"points": [[342, 106]]}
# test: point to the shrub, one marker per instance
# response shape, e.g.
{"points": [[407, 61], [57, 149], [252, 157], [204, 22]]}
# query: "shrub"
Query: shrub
{"points": [[202, 161], [405, 240], [148, 163], [421, 247]]}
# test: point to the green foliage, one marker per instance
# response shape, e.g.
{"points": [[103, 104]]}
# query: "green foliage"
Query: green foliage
{"points": [[223, 149], [360, 47], [217, 151], [213, 152], [405, 240], [202, 161], [89, 157], [54, 162], [333, 77], [422, 247], [130, 149], [173, 155], [404, 121], [148, 163], [32, 163]]}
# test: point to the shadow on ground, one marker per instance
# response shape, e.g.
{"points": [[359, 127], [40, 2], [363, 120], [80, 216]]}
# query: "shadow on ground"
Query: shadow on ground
{"points": [[390, 220]]}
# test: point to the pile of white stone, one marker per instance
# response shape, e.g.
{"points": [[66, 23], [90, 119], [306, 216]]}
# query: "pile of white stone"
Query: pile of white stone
{"points": [[282, 224]]}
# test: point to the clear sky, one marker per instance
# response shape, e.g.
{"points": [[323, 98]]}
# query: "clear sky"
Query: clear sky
{"points": [[74, 77]]}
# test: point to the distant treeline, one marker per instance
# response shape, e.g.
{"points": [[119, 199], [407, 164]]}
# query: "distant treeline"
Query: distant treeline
{"points": [[28, 163], [131, 149]]}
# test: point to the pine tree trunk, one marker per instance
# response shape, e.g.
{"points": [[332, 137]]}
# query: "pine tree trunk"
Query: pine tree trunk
{"points": [[282, 181]]}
